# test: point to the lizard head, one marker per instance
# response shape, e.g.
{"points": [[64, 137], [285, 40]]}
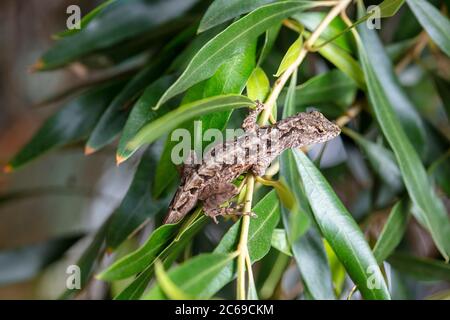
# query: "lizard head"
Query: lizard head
{"points": [[307, 128]]}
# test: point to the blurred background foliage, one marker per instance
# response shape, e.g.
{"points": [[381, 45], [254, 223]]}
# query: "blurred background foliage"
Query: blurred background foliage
{"points": [[67, 202]]}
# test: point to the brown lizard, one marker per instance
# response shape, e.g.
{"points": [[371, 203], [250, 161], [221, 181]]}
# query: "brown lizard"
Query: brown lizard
{"points": [[211, 181]]}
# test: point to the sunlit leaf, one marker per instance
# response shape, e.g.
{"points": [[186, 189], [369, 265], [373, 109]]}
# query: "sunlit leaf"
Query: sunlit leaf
{"points": [[393, 231], [341, 231], [432, 210], [436, 24], [258, 85], [290, 56], [222, 10], [212, 55]]}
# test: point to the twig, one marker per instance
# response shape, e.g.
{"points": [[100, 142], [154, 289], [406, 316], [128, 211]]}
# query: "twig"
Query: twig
{"points": [[264, 118], [242, 246]]}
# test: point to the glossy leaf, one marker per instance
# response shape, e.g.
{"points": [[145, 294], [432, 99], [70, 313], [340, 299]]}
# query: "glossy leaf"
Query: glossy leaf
{"points": [[85, 20], [167, 255], [432, 210], [119, 21], [258, 85], [290, 56], [195, 276], [340, 230], [223, 10], [138, 205], [167, 286], [331, 87], [88, 259], [389, 8], [433, 22], [420, 268], [113, 119], [393, 231], [311, 21], [138, 260], [404, 109], [280, 241], [212, 55], [73, 122], [173, 119], [231, 77], [304, 240], [381, 159], [259, 241], [141, 114]]}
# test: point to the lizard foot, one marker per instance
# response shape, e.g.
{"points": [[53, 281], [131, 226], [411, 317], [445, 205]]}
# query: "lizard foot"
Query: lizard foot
{"points": [[228, 211]]}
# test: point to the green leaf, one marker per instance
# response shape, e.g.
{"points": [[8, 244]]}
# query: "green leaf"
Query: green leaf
{"points": [[231, 77], [138, 205], [115, 116], [306, 245], [431, 208], [138, 260], [280, 241], [212, 55], [73, 122], [168, 255], [410, 119], [393, 231], [435, 24], [141, 114], [88, 259], [381, 159], [311, 21], [84, 21], [290, 56], [341, 231], [259, 242], [269, 40], [389, 8], [167, 285], [421, 268], [173, 119], [195, 276], [258, 85], [260, 230], [331, 87], [223, 10], [119, 21]]}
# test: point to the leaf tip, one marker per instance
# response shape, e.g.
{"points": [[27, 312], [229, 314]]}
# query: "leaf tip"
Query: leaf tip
{"points": [[8, 168], [37, 66], [120, 159], [88, 150]]}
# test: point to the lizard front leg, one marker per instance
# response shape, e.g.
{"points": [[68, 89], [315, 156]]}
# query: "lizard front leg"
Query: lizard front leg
{"points": [[249, 123], [215, 195]]}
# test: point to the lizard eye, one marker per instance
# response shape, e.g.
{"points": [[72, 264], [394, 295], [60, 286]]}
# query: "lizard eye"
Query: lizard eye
{"points": [[320, 130]]}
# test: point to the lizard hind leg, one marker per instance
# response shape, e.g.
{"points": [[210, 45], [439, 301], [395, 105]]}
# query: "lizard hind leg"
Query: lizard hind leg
{"points": [[249, 123], [215, 196]]}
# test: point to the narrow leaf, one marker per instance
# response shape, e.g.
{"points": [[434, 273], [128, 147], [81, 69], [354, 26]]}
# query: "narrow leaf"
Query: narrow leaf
{"points": [[422, 194], [223, 10], [433, 22], [341, 231], [290, 56], [258, 85], [212, 55], [393, 231], [71, 123]]}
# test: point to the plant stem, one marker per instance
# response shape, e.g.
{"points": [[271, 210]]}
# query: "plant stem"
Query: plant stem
{"points": [[242, 246], [281, 82], [264, 118]]}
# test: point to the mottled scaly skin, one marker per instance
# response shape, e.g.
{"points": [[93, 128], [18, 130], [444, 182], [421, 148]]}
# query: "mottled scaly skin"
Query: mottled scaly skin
{"points": [[211, 181]]}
